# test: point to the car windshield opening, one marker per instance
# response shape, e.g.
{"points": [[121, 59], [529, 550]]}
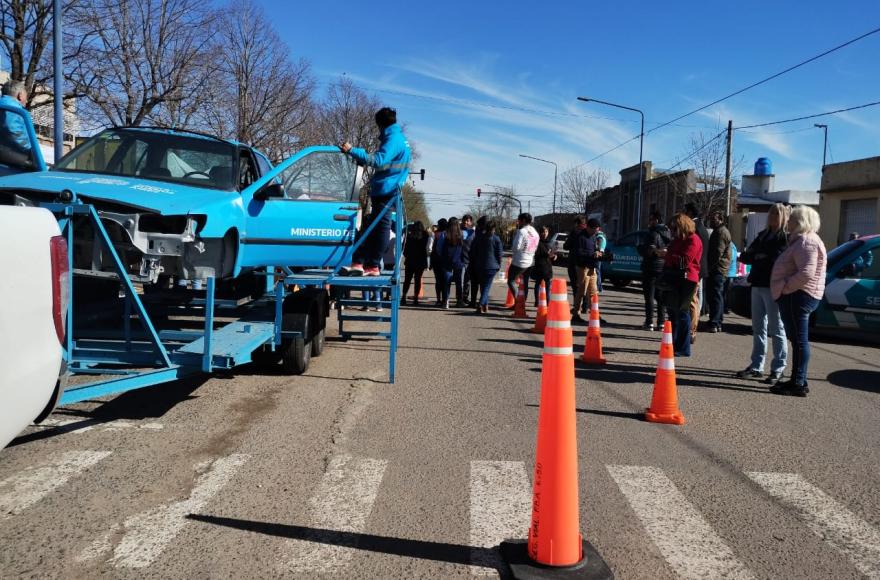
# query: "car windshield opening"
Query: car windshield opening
{"points": [[154, 154]]}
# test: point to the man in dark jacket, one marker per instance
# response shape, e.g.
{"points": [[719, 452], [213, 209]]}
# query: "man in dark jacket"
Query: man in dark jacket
{"points": [[719, 257], [568, 245], [467, 240], [586, 256], [657, 238], [697, 305]]}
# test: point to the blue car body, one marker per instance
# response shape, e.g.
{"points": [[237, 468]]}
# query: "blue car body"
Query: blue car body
{"points": [[200, 223], [626, 262]]}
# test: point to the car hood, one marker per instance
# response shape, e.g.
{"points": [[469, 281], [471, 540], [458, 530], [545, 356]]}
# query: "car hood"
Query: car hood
{"points": [[146, 194]]}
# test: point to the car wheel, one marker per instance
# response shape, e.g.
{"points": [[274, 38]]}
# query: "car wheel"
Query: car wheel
{"points": [[296, 353]]}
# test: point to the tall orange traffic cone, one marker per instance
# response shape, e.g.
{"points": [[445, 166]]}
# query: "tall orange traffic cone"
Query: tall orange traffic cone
{"points": [[520, 306], [555, 545], [664, 402], [541, 315], [593, 347], [511, 299]]}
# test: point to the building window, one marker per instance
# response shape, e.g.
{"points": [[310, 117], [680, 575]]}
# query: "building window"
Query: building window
{"points": [[859, 216]]}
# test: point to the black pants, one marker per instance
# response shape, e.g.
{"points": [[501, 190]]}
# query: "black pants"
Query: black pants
{"points": [[476, 279], [546, 282], [466, 283], [370, 252], [514, 273], [715, 298], [408, 275], [653, 295]]}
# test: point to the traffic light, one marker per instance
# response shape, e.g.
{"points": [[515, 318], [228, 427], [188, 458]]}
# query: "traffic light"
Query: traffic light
{"points": [[478, 192]]}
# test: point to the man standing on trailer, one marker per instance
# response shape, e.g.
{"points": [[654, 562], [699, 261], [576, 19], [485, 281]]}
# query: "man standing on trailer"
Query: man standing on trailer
{"points": [[391, 169]]}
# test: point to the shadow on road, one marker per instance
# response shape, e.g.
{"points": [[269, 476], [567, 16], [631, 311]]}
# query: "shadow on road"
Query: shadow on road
{"points": [[435, 551], [858, 379]]}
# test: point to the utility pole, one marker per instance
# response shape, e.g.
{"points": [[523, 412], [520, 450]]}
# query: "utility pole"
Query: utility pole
{"points": [[729, 168], [825, 145], [58, 87]]}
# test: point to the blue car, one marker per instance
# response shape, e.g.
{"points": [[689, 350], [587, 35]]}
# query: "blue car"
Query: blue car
{"points": [[181, 206], [851, 304], [626, 262]]}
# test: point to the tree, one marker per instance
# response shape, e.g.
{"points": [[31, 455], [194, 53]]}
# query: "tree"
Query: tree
{"points": [[26, 34], [136, 56], [414, 205], [578, 187], [261, 96], [708, 155]]}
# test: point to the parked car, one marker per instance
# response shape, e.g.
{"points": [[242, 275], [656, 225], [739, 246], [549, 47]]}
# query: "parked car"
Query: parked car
{"points": [[557, 241], [33, 309], [182, 206], [625, 264], [851, 304]]}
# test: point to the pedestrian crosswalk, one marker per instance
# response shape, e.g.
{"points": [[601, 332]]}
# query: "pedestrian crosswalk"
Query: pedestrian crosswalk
{"points": [[343, 505]]}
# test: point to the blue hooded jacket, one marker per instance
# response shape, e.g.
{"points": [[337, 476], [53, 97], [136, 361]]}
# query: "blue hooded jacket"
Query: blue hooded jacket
{"points": [[391, 162]]}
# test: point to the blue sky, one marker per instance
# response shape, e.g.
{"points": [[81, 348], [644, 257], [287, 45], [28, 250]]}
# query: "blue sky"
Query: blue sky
{"points": [[487, 81]]}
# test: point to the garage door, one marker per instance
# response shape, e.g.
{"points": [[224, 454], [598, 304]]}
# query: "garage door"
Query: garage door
{"points": [[857, 215]]}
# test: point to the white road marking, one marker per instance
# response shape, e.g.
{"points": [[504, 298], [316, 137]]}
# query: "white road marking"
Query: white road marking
{"points": [[685, 539], [501, 507], [24, 489], [102, 545], [343, 502], [148, 533], [845, 531], [82, 425]]}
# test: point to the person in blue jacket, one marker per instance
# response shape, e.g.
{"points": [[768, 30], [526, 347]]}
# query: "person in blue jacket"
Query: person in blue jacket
{"points": [[13, 128], [391, 165], [486, 256]]}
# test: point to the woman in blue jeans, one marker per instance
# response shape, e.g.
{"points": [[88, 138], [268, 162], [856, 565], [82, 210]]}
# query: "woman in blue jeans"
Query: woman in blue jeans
{"points": [[762, 253], [681, 272], [450, 260], [797, 283], [485, 261]]}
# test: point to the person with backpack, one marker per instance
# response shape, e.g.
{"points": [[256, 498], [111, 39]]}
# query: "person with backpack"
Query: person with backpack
{"points": [[657, 238]]}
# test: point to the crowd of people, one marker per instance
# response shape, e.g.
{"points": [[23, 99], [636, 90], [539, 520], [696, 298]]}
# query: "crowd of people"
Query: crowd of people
{"points": [[684, 266]]}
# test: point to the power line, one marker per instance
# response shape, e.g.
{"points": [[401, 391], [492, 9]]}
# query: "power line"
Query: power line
{"points": [[809, 116], [770, 78]]}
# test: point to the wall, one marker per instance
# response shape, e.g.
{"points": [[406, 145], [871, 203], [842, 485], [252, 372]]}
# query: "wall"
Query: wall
{"points": [[849, 180]]}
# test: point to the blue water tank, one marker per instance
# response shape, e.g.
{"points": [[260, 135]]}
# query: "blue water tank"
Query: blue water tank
{"points": [[763, 166]]}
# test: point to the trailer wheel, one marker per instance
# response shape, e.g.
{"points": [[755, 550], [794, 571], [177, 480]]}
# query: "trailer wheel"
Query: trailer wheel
{"points": [[296, 353], [318, 342]]}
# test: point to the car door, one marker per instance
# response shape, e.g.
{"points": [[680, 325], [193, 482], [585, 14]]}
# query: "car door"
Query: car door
{"points": [[304, 212], [852, 295]]}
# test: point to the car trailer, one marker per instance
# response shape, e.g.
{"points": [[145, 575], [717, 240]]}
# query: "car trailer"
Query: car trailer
{"points": [[283, 320]]}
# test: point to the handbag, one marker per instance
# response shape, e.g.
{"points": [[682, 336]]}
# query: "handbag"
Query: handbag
{"points": [[672, 276]]}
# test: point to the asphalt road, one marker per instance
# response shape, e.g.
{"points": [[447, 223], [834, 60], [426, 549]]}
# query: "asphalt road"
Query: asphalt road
{"points": [[338, 474]]}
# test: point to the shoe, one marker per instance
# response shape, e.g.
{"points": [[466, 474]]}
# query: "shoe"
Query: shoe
{"points": [[415, 302], [681, 354], [403, 301], [485, 308], [374, 271], [354, 270], [379, 309], [575, 318], [790, 389], [648, 326], [693, 338], [459, 304], [446, 305], [773, 378], [749, 373]]}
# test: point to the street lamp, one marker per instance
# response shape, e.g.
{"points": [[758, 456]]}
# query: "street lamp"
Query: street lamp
{"points": [[641, 150], [825, 145], [555, 174]]}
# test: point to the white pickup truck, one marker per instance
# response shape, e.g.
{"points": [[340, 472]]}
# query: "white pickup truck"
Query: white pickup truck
{"points": [[33, 308]]}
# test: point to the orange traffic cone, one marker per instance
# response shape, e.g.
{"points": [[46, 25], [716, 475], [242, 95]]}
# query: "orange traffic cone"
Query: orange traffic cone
{"points": [[520, 307], [664, 403], [593, 347], [555, 545], [541, 316], [511, 299]]}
